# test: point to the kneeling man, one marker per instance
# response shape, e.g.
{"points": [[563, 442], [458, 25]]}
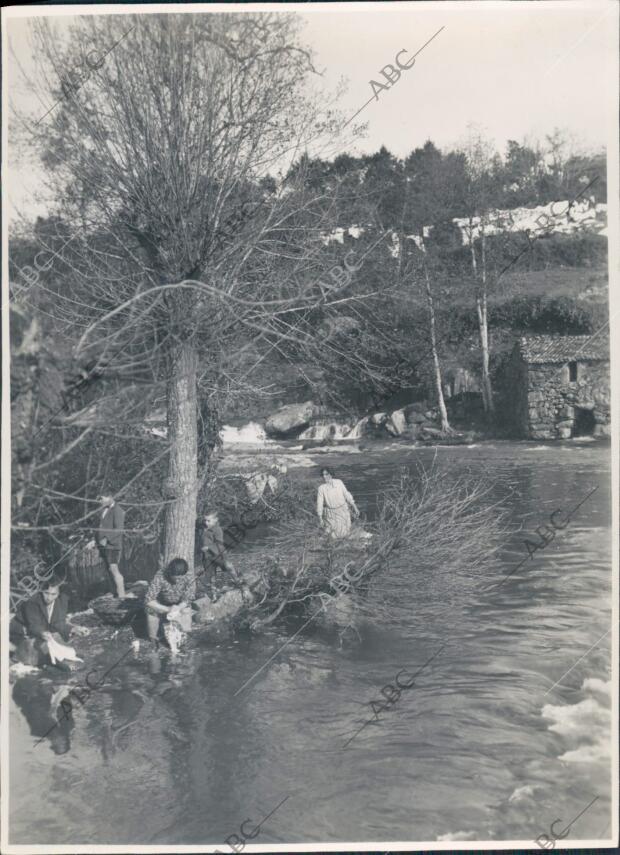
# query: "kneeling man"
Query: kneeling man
{"points": [[40, 619]]}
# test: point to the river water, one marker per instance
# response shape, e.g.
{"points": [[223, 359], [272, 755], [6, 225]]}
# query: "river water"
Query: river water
{"points": [[506, 730]]}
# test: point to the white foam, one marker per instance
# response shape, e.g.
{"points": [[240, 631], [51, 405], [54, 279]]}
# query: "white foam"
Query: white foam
{"points": [[250, 434], [327, 430], [457, 835], [588, 753], [593, 684], [586, 725], [357, 431], [522, 793]]}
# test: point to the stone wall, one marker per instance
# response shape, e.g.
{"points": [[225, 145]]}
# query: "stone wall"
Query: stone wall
{"points": [[552, 399]]}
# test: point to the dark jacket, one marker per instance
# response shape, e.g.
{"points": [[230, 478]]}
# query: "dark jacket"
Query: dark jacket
{"points": [[213, 540], [32, 619], [111, 526]]}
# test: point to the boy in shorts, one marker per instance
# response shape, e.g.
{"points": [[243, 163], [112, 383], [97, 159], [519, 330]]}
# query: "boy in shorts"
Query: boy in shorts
{"points": [[109, 540]]}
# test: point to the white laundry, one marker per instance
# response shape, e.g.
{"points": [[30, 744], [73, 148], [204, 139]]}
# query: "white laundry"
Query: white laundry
{"points": [[59, 652]]}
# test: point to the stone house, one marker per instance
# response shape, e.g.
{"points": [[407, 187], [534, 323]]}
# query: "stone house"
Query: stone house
{"points": [[559, 386]]}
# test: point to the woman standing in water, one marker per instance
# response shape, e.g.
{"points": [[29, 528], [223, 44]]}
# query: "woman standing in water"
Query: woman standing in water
{"points": [[332, 505]]}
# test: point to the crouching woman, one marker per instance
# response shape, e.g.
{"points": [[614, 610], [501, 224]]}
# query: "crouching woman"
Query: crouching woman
{"points": [[172, 590]]}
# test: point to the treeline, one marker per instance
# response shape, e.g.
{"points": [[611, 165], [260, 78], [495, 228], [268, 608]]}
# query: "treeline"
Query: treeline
{"points": [[405, 299], [431, 296], [473, 176]]}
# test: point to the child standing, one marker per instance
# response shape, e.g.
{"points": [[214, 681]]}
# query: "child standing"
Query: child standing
{"points": [[213, 551]]}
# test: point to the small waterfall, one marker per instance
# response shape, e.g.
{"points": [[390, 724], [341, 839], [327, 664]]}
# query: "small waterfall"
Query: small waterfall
{"points": [[250, 434], [358, 431], [327, 430]]}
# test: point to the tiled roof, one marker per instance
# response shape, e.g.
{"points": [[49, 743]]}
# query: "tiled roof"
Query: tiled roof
{"points": [[563, 348]]}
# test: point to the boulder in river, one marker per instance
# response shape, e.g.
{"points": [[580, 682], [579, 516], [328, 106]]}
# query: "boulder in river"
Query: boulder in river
{"points": [[396, 423], [225, 607], [290, 419], [414, 413]]}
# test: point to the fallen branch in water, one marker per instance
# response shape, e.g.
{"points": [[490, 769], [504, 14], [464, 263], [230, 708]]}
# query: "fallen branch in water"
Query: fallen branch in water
{"points": [[447, 524]]}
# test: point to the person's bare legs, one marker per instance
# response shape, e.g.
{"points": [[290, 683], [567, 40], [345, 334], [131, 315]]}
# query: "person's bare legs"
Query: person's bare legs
{"points": [[152, 623], [119, 582], [112, 568]]}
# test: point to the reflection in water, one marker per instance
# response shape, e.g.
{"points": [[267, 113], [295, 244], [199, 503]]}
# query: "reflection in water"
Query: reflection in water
{"points": [[39, 701], [170, 754], [123, 713]]}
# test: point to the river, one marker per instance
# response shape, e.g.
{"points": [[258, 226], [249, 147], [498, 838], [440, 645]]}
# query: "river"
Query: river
{"points": [[506, 730]]}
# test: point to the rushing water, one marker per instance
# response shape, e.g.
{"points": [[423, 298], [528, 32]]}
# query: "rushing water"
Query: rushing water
{"points": [[505, 731]]}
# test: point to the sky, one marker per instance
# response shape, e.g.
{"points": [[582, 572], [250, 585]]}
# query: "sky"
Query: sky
{"points": [[514, 70]]}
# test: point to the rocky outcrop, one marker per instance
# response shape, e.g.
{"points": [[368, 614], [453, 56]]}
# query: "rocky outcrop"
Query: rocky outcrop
{"points": [[326, 430], [290, 420], [414, 413], [414, 421], [369, 427], [418, 420]]}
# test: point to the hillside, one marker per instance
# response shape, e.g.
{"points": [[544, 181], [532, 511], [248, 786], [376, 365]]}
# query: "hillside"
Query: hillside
{"points": [[576, 282]]}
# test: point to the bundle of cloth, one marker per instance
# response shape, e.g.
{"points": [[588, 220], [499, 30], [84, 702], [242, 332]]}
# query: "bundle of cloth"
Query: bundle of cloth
{"points": [[179, 623], [59, 652]]}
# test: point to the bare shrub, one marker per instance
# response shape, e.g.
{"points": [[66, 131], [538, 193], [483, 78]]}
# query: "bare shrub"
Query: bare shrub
{"points": [[448, 524]]}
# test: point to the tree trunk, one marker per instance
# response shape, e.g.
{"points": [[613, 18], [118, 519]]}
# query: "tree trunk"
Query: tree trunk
{"points": [[481, 308], [445, 425], [180, 487], [487, 392]]}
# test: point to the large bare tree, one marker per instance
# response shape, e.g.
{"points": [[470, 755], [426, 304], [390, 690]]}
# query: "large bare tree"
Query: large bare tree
{"points": [[189, 240]]}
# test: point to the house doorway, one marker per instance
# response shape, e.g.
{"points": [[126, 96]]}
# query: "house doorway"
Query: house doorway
{"points": [[584, 422]]}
